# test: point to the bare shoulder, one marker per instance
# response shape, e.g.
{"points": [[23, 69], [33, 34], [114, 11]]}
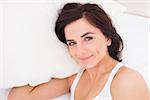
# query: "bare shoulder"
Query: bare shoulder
{"points": [[71, 79], [128, 84]]}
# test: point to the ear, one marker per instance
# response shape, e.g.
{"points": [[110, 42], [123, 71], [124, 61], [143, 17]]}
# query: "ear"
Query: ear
{"points": [[109, 41]]}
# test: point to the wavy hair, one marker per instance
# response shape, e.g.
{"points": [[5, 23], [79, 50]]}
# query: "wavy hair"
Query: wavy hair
{"points": [[97, 17]]}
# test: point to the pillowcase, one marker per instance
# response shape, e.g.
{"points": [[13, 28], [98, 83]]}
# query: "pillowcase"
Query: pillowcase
{"points": [[32, 54], [30, 51], [134, 31]]}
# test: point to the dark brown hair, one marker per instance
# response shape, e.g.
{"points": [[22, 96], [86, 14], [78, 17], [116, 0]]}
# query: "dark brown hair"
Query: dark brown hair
{"points": [[97, 17]]}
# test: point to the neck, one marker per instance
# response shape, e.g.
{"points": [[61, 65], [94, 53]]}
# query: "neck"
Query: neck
{"points": [[104, 66]]}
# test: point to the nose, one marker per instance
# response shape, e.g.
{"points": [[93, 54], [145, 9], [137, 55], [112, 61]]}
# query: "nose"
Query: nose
{"points": [[80, 50]]}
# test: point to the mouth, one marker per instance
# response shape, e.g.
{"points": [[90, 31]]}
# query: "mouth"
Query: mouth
{"points": [[83, 59]]}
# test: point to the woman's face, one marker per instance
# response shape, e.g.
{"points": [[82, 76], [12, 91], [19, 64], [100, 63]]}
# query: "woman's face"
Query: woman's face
{"points": [[86, 43]]}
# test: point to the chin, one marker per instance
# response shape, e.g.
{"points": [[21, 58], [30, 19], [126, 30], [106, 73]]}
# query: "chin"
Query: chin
{"points": [[87, 66]]}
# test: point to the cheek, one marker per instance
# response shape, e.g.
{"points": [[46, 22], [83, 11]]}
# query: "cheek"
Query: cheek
{"points": [[72, 53], [101, 49]]}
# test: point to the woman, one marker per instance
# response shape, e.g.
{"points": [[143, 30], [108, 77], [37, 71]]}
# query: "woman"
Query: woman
{"points": [[95, 45]]}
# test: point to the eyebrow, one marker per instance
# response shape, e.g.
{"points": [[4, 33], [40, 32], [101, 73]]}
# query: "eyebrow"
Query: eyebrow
{"points": [[86, 34], [82, 35]]}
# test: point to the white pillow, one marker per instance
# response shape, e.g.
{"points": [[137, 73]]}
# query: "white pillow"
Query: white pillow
{"points": [[30, 51], [134, 31]]}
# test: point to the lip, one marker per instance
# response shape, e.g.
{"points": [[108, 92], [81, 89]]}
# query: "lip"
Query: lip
{"points": [[85, 58]]}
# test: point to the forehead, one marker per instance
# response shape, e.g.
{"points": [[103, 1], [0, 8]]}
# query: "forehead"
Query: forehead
{"points": [[80, 27]]}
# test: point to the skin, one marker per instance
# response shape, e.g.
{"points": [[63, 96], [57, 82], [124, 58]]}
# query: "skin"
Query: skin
{"points": [[88, 47]]}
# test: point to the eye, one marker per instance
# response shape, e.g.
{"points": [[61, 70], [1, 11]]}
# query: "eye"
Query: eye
{"points": [[71, 43], [88, 38]]}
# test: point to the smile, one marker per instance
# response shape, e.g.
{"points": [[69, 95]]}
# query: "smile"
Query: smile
{"points": [[85, 58]]}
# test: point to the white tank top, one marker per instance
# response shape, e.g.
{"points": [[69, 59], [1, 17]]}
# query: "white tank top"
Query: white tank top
{"points": [[105, 93]]}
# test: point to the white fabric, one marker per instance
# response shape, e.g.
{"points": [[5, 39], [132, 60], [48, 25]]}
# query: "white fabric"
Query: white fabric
{"points": [[31, 52], [105, 92], [134, 31]]}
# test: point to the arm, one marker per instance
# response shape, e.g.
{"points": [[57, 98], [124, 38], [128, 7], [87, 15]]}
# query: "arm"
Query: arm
{"points": [[129, 85], [46, 91]]}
